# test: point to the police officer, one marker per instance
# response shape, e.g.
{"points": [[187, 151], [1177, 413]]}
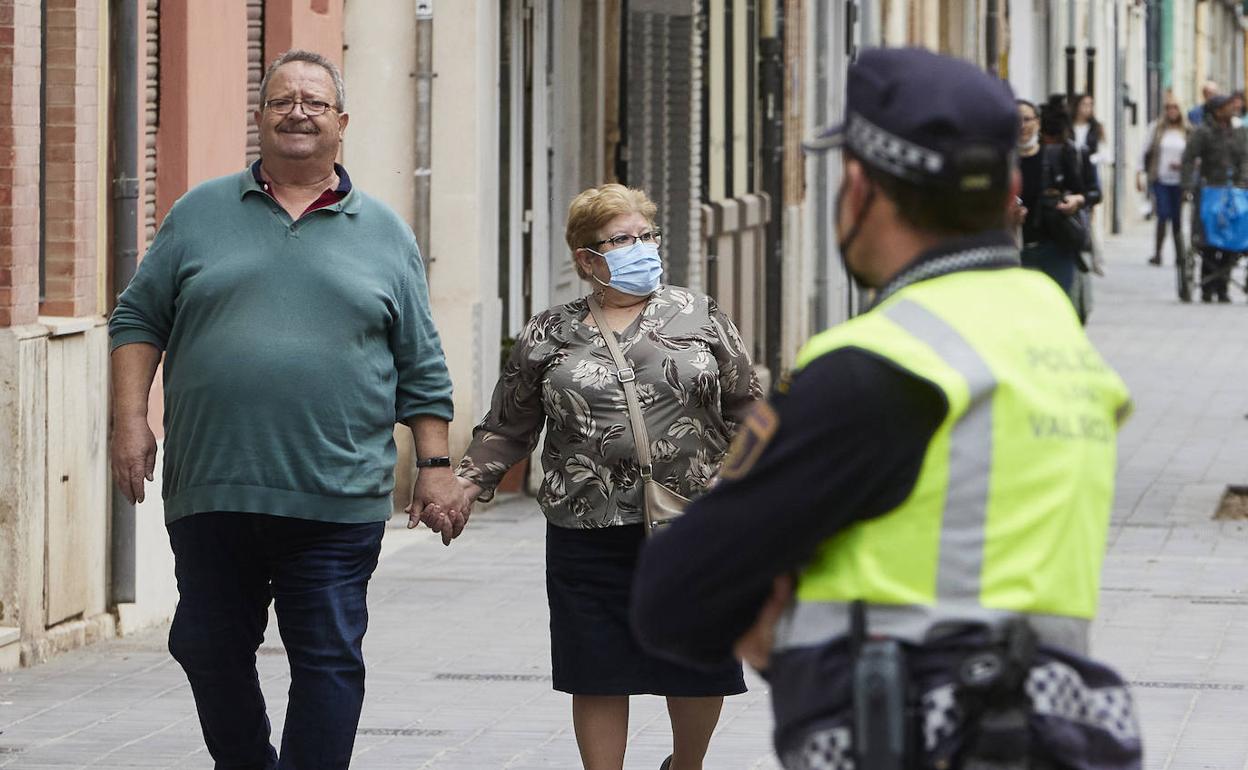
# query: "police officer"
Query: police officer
{"points": [[907, 539]]}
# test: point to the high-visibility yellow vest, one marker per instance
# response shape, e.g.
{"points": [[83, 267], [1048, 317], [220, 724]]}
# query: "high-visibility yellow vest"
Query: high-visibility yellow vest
{"points": [[1011, 508]]}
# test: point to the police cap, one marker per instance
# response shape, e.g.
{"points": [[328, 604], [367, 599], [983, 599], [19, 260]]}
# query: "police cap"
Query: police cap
{"points": [[928, 119]]}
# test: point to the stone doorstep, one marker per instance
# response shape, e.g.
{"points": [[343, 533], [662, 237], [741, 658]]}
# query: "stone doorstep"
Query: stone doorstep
{"points": [[67, 636], [134, 618], [10, 648]]}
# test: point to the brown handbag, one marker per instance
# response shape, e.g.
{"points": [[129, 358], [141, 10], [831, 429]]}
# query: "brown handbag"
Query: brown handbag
{"points": [[662, 505]]}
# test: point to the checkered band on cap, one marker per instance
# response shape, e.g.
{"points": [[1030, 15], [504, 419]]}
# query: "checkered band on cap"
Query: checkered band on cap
{"points": [[891, 153]]}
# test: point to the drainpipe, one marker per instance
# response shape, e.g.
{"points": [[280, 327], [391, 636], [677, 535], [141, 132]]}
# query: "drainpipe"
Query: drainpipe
{"points": [[771, 75], [1070, 50], [125, 238], [621, 74], [1090, 80], [1153, 56], [1090, 85], [991, 46], [423, 149], [1120, 105]]}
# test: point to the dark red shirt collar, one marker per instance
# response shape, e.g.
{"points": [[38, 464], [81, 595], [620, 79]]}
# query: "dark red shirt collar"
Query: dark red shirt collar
{"points": [[328, 198]]}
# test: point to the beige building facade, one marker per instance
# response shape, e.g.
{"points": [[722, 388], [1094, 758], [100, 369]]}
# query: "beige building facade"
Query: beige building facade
{"points": [[478, 121]]}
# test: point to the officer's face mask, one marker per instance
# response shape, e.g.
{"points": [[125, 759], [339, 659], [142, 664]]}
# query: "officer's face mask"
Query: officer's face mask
{"points": [[635, 269], [847, 240]]}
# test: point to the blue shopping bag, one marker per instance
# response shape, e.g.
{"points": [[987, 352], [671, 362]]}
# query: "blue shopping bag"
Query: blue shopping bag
{"points": [[1224, 215]]}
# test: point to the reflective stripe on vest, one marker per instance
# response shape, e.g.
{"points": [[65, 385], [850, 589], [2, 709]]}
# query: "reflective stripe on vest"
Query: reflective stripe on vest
{"points": [[970, 455], [925, 563]]}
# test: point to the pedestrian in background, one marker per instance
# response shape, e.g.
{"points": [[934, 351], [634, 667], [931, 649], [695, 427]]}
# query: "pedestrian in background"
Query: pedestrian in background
{"points": [[695, 384], [1237, 109], [1087, 133], [1161, 169], [1198, 114], [917, 478], [294, 315], [1052, 179], [1216, 155]]}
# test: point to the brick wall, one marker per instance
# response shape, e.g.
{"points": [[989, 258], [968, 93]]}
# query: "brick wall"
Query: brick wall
{"points": [[19, 161], [71, 157]]}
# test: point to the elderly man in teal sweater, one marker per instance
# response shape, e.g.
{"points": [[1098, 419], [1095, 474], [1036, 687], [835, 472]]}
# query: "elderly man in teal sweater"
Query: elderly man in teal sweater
{"points": [[293, 314]]}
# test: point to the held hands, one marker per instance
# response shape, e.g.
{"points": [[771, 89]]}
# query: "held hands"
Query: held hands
{"points": [[443, 502], [134, 456], [754, 647]]}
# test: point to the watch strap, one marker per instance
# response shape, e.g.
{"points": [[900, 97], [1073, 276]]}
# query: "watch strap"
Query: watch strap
{"points": [[434, 462]]}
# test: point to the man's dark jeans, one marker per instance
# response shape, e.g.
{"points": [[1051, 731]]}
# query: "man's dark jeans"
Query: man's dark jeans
{"points": [[229, 566]]}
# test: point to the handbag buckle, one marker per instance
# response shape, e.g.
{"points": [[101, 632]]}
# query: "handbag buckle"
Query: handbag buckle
{"points": [[647, 472], [626, 375]]}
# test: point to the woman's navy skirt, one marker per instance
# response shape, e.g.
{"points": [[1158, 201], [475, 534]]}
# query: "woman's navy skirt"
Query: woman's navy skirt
{"points": [[589, 580]]}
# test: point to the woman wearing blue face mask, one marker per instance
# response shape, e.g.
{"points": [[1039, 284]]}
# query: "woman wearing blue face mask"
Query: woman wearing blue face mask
{"points": [[695, 384]]}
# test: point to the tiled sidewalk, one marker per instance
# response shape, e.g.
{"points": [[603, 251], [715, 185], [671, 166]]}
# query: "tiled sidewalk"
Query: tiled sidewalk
{"points": [[458, 649]]}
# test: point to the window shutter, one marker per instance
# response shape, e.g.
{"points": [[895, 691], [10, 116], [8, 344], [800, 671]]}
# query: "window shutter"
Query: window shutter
{"points": [[661, 127], [151, 119], [255, 72]]}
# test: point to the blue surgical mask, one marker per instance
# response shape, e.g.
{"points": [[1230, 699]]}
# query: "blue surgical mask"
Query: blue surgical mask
{"points": [[635, 270]]}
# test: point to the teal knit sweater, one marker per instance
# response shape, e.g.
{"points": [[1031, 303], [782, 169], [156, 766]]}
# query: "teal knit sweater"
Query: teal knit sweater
{"points": [[291, 350]]}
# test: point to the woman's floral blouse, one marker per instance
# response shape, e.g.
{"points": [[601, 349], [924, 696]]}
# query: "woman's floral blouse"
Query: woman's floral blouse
{"points": [[694, 381]]}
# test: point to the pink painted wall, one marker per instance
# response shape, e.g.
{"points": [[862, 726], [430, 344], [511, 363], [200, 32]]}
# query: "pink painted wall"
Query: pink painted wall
{"points": [[203, 106], [314, 25], [203, 94]]}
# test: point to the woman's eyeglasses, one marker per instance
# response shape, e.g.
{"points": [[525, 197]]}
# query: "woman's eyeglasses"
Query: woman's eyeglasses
{"points": [[621, 241]]}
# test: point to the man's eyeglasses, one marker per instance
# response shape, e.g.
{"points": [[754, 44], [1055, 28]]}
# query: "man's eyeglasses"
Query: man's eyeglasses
{"points": [[311, 107], [621, 241]]}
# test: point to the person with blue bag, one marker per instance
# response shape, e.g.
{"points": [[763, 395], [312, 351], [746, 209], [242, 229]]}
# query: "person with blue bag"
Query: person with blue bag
{"points": [[1215, 171]]}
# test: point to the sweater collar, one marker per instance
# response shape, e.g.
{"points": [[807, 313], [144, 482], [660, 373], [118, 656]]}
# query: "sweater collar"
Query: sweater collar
{"points": [[250, 181]]}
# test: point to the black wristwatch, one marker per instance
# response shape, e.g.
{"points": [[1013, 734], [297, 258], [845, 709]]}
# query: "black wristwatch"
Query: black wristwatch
{"points": [[434, 462]]}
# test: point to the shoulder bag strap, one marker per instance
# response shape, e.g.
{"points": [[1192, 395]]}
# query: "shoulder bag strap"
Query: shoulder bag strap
{"points": [[628, 379]]}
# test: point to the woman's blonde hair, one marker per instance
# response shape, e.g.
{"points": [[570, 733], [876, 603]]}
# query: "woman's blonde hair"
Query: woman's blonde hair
{"points": [[1167, 99], [590, 211]]}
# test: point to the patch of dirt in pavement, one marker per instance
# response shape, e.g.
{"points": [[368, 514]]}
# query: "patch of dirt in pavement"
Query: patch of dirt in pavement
{"points": [[1234, 505]]}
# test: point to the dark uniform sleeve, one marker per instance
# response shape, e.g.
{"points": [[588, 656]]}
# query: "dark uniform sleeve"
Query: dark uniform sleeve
{"points": [[849, 440]]}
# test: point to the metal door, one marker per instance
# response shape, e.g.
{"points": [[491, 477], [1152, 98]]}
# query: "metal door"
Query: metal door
{"points": [[661, 122], [524, 207], [835, 38]]}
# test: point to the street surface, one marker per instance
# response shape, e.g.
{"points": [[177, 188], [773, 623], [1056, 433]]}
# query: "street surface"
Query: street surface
{"points": [[458, 655]]}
